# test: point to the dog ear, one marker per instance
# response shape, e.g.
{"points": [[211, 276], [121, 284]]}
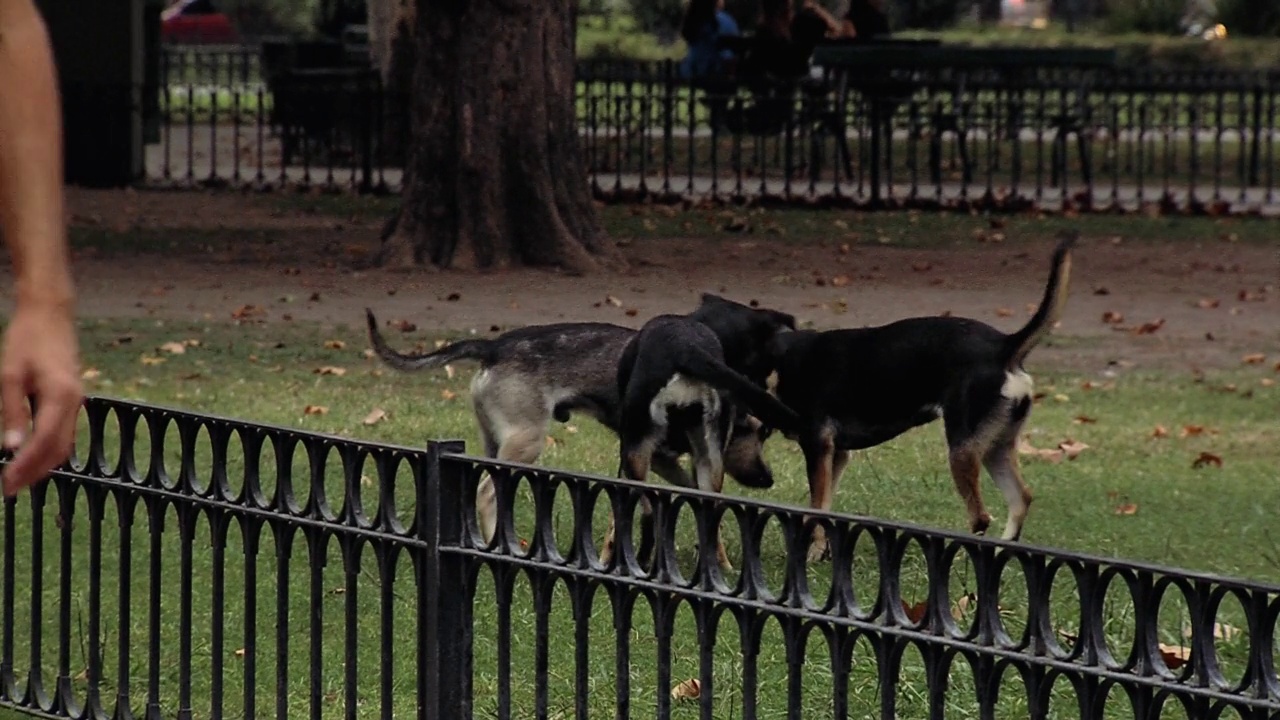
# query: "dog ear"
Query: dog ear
{"points": [[712, 299]]}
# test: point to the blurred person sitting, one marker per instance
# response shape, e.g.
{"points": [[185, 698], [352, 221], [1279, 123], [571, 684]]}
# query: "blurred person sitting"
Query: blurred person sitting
{"points": [[865, 20], [708, 64], [705, 23]]}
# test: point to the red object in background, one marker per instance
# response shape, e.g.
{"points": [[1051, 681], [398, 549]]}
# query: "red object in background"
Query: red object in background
{"points": [[194, 22]]}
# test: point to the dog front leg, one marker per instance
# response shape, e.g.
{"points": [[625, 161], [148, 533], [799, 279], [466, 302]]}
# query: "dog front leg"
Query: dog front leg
{"points": [[819, 457]]}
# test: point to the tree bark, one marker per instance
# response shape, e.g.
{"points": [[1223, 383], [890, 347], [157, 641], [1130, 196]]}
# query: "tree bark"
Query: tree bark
{"points": [[493, 176]]}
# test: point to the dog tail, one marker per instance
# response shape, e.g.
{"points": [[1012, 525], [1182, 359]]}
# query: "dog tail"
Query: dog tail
{"points": [[462, 350], [769, 409], [1021, 343]]}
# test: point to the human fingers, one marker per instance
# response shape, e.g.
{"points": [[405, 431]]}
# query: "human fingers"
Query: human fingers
{"points": [[52, 435]]}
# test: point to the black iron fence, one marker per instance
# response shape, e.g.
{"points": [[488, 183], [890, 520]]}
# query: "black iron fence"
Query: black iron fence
{"points": [[1108, 139], [199, 567]]}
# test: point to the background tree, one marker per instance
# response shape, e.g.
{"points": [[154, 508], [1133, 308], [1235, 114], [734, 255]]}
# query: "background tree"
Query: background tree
{"points": [[493, 175]]}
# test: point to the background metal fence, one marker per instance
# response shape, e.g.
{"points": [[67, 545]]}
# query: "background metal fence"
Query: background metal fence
{"points": [[1102, 139], [199, 567]]}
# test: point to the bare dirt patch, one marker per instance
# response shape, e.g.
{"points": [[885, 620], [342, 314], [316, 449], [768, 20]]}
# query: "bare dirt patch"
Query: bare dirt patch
{"points": [[1210, 303]]}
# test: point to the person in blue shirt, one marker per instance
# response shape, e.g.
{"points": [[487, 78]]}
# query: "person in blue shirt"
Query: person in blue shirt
{"points": [[705, 22], [708, 64]]}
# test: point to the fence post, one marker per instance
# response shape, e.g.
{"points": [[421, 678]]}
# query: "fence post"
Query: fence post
{"points": [[445, 592]]}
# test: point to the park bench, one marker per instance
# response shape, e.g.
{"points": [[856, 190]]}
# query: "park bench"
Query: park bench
{"points": [[887, 76], [322, 96]]}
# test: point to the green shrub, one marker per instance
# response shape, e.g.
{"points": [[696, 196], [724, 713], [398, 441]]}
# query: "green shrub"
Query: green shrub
{"points": [[1159, 17], [1250, 18]]}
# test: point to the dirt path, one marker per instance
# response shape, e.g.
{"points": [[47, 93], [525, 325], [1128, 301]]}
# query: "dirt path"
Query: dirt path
{"points": [[307, 275]]}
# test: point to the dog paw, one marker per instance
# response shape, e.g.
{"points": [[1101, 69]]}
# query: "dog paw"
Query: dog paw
{"points": [[980, 524], [819, 551]]}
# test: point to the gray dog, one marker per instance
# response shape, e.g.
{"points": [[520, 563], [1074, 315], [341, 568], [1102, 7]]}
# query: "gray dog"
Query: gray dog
{"points": [[530, 375]]}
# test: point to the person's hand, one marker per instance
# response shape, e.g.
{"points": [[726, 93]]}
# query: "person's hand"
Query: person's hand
{"points": [[39, 357]]}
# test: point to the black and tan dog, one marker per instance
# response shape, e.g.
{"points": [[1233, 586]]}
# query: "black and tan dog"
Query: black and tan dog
{"points": [[676, 381], [532, 375], [856, 388]]}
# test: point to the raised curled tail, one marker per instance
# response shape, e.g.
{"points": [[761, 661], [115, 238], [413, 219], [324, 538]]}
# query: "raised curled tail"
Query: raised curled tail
{"points": [[1021, 343], [461, 350], [767, 408]]}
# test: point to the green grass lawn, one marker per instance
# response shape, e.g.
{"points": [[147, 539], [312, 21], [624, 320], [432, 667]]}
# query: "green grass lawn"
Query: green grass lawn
{"points": [[1128, 495]]}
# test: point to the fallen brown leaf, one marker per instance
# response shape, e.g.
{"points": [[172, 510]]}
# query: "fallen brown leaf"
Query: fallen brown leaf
{"points": [[613, 301], [330, 370], [1195, 430], [963, 605], [375, 416], [1126, 509], [1254, 359], [1206, 458], [315, 410], [247, 311], [173, 348], [1160, 432], [690, 689], [1026, 448], [1266, 382], [1174, 656], [1004, 312], [1072, 448], [90, 374], [915, 613], [1221, 631], [239, 652], [1084, 420], [403, 325], [1111, 317], [448, 394], [449, 371], [1208, 303], [334, 345], [1150, 327], [148, 360], [840, 281]]}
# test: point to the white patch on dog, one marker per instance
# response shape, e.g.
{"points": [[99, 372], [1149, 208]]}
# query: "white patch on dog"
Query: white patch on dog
{"points": [[682, 391], [1017, 385]]}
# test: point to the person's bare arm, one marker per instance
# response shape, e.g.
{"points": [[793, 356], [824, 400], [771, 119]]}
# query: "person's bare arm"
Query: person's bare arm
{"points": [[31, 193], [834, 28], [39, 356]]}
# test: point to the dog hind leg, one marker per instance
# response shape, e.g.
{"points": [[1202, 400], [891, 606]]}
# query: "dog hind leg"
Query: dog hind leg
{"points": [[966, 472], [708, 464], [1001, 462], [634, 464]]}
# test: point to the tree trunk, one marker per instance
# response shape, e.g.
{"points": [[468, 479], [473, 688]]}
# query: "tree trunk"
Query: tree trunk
{"points": [[493, 175]]}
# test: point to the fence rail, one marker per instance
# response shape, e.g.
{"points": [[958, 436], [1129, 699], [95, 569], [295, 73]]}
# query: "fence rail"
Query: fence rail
{"points": [[1115, 140], [199, 567]]}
